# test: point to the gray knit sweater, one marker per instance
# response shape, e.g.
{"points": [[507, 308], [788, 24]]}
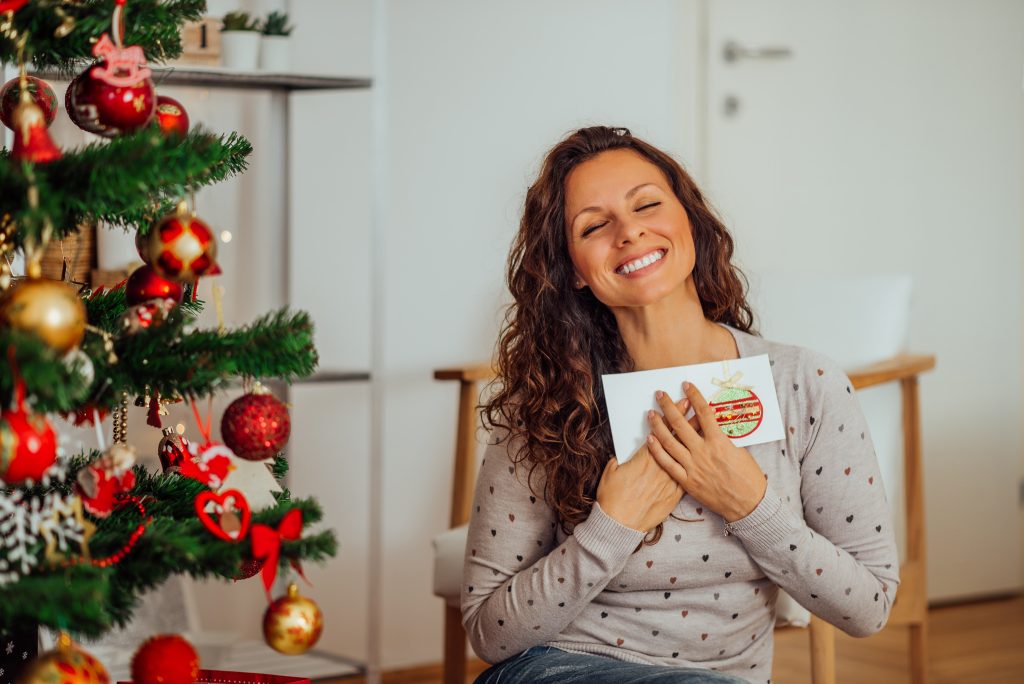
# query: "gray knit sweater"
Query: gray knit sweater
{"points": [[699, 597]]}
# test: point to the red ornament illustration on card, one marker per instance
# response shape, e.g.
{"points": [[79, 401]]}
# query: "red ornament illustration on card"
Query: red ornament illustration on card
{"points": [[738, 411]]}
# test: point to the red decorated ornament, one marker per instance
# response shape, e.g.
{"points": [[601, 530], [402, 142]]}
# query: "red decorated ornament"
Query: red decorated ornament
{"points": [[171, 116], [146, 315], [28, 445], [39, 93], [32, 142], [144, 284], [165, 659], [99, 484], [182, 247], [256, 426], [115, 95], [210, 463], [173, 450]]}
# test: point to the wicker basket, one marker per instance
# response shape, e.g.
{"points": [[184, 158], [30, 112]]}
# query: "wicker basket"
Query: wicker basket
{"points": [[77, 249]]}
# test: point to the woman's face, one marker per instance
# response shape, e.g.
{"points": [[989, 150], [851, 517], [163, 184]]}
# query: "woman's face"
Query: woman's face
{"points": [[629, 237]]}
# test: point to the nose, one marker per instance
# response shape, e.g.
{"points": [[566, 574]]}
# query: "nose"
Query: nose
{"points": [[630, 231]]}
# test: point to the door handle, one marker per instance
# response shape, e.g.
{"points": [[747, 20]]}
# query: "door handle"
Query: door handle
{"points": [[734, 52]]}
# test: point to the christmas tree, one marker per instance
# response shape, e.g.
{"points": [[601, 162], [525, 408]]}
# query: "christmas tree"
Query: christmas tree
{"points": [[83, 535]]}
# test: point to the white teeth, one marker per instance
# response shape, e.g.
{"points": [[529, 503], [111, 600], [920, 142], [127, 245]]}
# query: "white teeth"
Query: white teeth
{"points": [[641, 262]]}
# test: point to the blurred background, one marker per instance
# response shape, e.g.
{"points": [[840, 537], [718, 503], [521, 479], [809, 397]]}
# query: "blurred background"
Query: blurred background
{"points": [[868, 158]]}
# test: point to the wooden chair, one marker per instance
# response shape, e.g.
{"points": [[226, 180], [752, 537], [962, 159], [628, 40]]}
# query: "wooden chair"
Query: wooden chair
{"points": [[910, 607]]}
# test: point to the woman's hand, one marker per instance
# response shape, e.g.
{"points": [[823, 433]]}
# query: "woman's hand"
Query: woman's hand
{"points": [[723, 477], [639, 493]]}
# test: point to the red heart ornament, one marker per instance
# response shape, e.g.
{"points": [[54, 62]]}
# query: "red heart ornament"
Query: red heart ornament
{"points": [[220, 505]]}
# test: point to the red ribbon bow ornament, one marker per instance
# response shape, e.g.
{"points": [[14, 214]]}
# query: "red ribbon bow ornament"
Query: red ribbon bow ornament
{"points": [[266, 545]]}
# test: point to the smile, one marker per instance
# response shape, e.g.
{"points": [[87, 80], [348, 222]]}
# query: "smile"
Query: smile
{"points": [[643, 263]]}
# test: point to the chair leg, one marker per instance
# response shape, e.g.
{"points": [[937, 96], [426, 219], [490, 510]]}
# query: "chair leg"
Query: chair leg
{"points": [[454, 646], [919, 653], [823, 652]]}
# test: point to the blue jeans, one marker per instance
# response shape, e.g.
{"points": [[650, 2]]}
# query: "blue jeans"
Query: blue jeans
{"points": [[547, 665]]}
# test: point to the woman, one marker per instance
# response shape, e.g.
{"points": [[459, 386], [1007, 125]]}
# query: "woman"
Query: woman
{"points": [[667, 567]]}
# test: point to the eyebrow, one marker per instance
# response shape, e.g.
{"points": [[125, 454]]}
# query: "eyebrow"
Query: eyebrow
{"points": [[627, 196]]}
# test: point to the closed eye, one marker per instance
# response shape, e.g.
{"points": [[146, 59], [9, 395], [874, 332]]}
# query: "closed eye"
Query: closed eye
{"points": [[648, 206], [590, 229]]}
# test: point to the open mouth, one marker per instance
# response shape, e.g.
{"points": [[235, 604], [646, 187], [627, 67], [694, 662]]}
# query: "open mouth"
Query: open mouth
{"points": [[644, 262]]}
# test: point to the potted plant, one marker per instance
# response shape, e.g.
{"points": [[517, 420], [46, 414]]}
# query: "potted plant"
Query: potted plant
{"points": [[274, 55], [240, 41]]}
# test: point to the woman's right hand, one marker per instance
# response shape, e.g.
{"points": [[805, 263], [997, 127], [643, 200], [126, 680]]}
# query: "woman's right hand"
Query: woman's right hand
{"points": [[639, 494]]}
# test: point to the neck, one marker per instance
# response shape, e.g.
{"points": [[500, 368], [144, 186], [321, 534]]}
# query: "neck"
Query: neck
{"points": [[673, 332]]}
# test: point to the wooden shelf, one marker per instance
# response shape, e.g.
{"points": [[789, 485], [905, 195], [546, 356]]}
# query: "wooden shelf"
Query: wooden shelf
{"points": [[334, 376], [217, 77]]}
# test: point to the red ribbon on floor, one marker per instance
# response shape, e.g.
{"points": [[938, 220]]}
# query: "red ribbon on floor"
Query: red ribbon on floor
{"points": [[266, 545]]}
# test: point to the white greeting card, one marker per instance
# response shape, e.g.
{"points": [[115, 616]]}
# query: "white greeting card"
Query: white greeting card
{"points": [[741, 391]]}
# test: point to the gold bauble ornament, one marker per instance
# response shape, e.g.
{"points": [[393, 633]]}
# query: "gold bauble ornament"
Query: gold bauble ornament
{"points": [[48, 309], [292, 623], [67, 664]]}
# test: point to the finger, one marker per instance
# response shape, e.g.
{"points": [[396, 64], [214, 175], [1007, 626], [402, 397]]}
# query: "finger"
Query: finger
{"points": [[667, 441], [671, 466], [684, 406], [683, 429], [704, 413]]}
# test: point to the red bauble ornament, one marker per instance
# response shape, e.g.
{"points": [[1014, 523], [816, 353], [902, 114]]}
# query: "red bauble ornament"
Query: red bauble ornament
{"points": [[28, 445], [109, 110], [171, 116], [144, 284], [249, 568], [173, 450], [181, 247], [11, 5], [32, 142], [40, 94], [256, 426], [165, 659]]}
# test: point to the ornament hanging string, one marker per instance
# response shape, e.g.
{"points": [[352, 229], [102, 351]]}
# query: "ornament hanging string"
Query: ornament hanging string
{"points": [[731, 381], [117, 22], [204, 429]]}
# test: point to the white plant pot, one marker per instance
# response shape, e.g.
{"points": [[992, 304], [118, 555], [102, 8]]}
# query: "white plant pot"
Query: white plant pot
{"points": [[239, 50], [275, 54]]}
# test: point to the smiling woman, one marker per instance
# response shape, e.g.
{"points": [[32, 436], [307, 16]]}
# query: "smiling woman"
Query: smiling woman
{"points": [[668, 566]]}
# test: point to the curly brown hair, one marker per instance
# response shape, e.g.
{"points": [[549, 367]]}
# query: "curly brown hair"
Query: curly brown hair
{"points": [[557, 341]]}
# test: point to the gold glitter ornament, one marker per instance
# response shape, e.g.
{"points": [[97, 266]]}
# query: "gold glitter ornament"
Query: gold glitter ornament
{"points": [[292, 624]]}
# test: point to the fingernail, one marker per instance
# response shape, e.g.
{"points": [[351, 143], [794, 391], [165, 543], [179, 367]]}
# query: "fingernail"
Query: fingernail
{"points": [[686, 404], [650, 415], [650, 439], [686, 384], [659, 394]]}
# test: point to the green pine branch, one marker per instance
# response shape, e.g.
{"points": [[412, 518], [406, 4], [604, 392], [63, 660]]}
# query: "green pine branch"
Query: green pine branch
{"points": [[88, 600], [170, 358], [127, 182], [152, 24]]}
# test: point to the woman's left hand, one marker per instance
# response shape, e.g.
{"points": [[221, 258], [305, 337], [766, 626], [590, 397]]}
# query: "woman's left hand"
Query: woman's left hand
{"points": [[709, 467]]}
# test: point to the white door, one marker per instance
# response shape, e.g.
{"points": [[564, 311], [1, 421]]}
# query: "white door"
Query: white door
{"points": [[883, 137]]}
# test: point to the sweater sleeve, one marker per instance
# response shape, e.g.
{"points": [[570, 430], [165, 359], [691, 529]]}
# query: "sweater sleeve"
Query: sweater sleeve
{"points": [[521, 589], [838, 560]]}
